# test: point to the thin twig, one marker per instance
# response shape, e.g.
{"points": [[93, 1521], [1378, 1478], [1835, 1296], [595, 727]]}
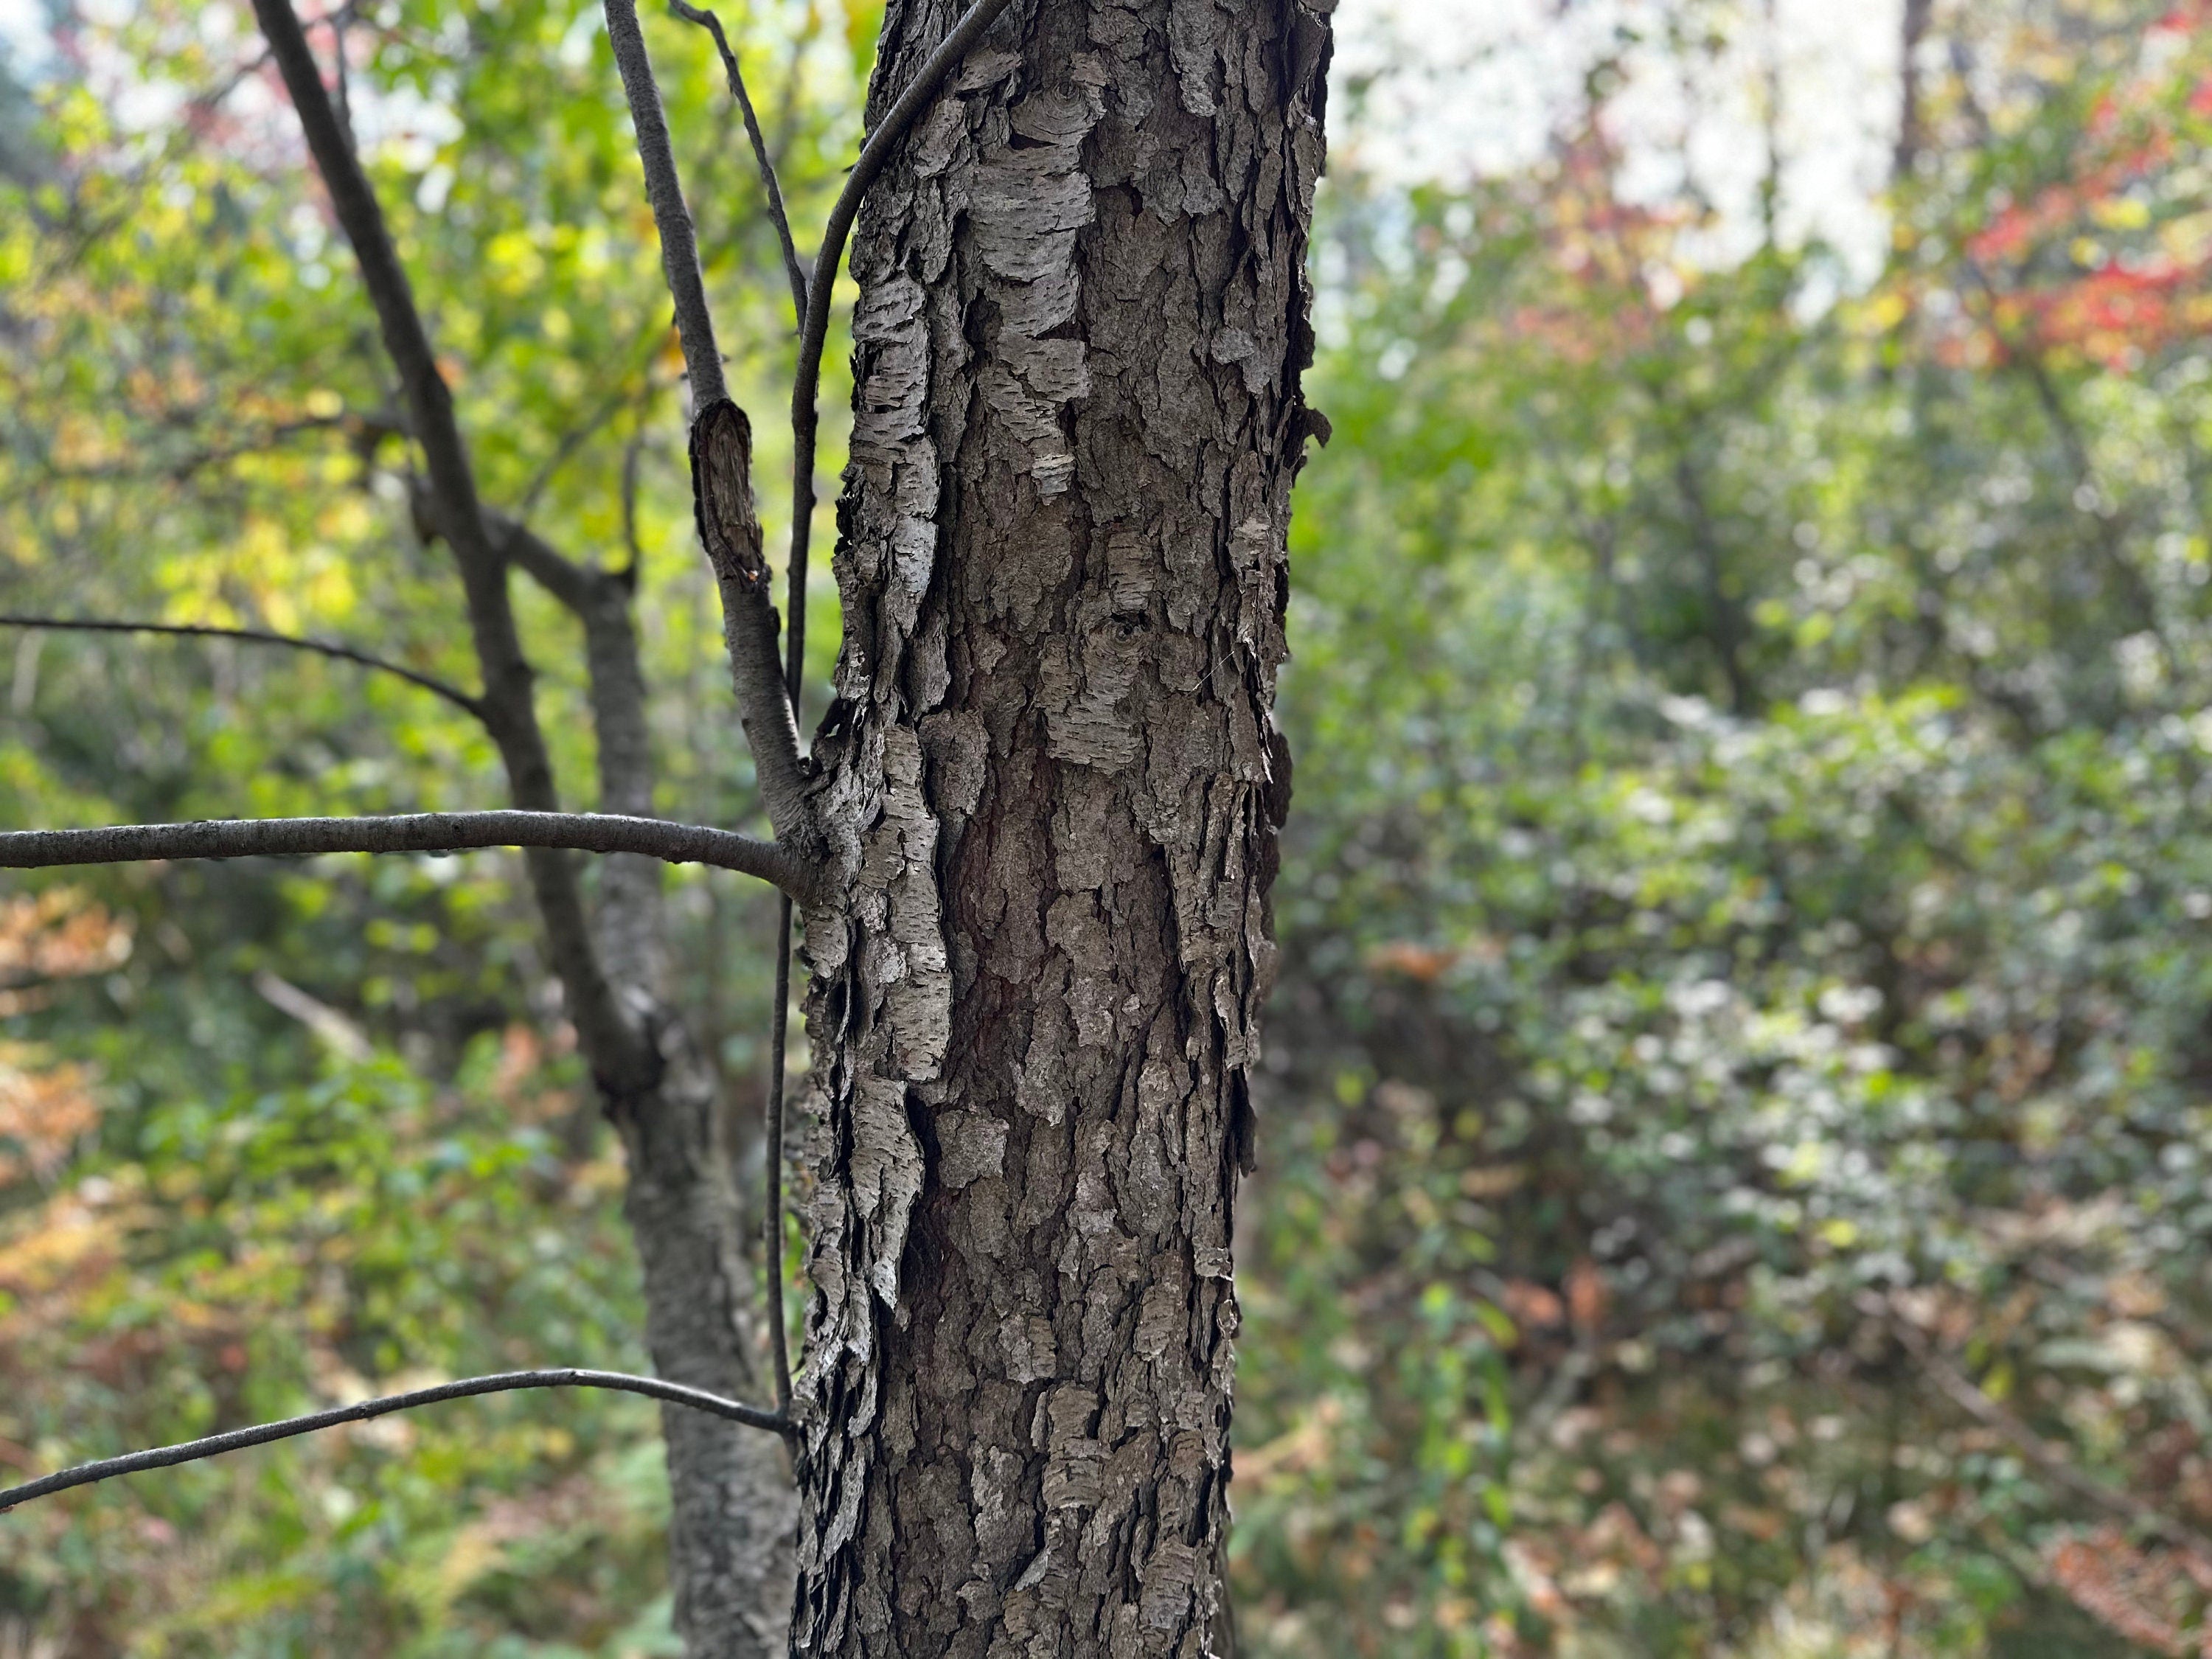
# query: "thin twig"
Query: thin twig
{"points": [[713, 25], [2050, 1460], [806, 384], [679, 245], [631, 451], [772, 1156], [572, 441], [214, 1445], [409, 832], [452, 694]]}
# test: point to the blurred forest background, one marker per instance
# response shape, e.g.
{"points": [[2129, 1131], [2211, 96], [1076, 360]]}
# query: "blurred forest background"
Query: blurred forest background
{"points": [[1736, 1149]]}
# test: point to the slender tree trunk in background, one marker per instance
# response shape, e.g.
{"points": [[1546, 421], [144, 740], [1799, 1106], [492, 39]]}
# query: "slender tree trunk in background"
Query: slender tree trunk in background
{"points": [[731, 1507], [1909, 136], [1053, 784], [731, 1500]]}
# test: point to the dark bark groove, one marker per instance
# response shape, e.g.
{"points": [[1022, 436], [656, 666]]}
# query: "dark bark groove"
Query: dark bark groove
{"points": [[1051, 784]]}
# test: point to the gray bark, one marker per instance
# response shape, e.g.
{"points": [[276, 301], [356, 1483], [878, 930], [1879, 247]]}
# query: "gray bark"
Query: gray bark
{"points": [[1051, 783], [610, 833]]}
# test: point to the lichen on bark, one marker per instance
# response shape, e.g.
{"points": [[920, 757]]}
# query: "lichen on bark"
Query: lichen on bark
{"points": [[1051, 785]]}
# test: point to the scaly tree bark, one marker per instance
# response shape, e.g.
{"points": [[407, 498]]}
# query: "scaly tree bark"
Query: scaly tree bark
{"points": [[1051, 785], [1033, 843]]}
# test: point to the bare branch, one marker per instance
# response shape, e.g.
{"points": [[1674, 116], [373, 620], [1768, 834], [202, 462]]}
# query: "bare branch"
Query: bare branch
{"points": [[729, 529], [411, 832], [806, 384], [721, 463], [713, 25], [601, 600], [261, 1434], [619, 1056], [679, 247], [721, 459], [452, 694], [406, 341]]}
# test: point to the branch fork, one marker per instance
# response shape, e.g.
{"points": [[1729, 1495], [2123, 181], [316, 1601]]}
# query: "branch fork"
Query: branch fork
{"points": [[484, 546]]}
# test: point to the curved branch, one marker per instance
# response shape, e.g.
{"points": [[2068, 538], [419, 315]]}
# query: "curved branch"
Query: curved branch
{"points": [[679, 245], [214, 1445], [713, 25], [411, 832], [772, 1161], [1964, 1393], [721, 444], [812, 300], [615, 691], [452, 694], [806, 384]]}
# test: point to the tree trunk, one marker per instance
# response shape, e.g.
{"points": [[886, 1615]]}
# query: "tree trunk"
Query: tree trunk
{"points": [[1909, 136], [732, 1509], [1053, 782], [731, 1503]]}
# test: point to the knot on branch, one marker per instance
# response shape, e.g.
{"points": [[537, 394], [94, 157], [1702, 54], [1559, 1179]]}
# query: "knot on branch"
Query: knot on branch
{"points": [[722, 494]]}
